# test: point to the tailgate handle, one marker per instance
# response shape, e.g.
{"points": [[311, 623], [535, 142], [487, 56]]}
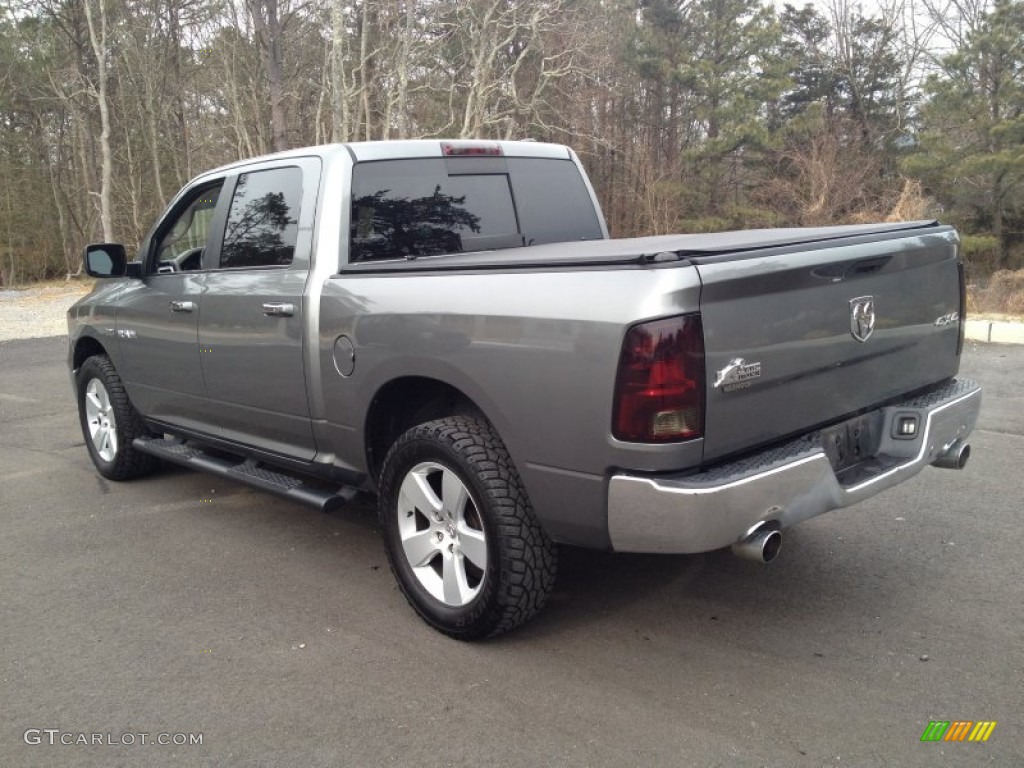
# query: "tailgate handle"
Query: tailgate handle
{"points": [[278, 309], [868, 266], [182, 306]]}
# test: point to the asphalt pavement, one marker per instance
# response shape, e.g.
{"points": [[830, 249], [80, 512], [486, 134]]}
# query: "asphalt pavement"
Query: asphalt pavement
{"points": [[188, 608]]}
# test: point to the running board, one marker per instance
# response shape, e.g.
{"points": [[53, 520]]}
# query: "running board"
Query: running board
{"points": [[249, 472]]}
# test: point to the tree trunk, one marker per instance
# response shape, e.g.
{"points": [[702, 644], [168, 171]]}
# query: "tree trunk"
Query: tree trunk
{"points": [[339, 100], [179, 97], [11, 276], [402, 97], [268, 29], [52, 156], [99, 49], [365, 26], [998, 228]]}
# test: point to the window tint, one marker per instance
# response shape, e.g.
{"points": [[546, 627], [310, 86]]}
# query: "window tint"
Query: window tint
{"points": [[182, 242], [262, 221], [414, 208], [553, 203], [404, 208], [490, 200]]}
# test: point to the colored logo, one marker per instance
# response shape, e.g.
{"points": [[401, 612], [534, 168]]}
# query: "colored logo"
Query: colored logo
{"points": [[958, 730]]}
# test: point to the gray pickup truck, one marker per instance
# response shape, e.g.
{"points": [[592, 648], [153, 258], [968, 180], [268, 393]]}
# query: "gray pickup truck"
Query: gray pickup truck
{"points": [[446, 324]]}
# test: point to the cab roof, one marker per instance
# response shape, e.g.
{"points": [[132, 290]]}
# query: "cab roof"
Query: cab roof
{"points": [[363, 151]]}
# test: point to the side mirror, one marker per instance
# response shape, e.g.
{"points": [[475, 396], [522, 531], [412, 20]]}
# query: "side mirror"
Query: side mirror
{"points": [[105, 260]]}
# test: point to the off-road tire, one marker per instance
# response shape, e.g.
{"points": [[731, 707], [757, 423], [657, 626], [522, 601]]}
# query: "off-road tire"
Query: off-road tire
{"points": [[521, 559], [126, 463]]}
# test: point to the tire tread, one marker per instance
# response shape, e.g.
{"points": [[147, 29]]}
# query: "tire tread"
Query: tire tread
{"points": [[528, 558], [129, 463]]}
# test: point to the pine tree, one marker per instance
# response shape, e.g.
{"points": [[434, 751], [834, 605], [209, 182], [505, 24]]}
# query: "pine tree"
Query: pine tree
{"points": [[971, 150]]}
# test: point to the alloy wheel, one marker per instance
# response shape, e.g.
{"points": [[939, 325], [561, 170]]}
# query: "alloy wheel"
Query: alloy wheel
{"points": [[442, 534], [99, 416]]}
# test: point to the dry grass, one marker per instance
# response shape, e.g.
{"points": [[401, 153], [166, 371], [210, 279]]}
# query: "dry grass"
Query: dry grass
{"points": [[49, 289], [1002, 297], [912, 205]]}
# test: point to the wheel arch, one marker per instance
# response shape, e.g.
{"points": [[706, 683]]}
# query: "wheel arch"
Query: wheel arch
{"points": [[86, 347], [404, 402]]}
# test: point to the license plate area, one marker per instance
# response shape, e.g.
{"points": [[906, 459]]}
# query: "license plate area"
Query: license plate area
{"points": [[852, 442]]}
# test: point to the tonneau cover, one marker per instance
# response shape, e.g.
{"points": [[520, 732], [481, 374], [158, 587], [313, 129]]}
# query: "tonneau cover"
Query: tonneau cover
{"points": [[695, 248]]}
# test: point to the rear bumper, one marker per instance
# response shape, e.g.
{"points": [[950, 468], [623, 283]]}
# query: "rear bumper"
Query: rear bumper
{"points": [[782, 486]]}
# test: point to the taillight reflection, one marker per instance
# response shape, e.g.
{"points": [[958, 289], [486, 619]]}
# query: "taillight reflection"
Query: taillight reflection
{"points": [[659, 390]]}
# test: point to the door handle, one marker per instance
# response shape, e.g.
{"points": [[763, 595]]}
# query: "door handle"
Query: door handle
{"points": [[278, 309], [182, 306]]}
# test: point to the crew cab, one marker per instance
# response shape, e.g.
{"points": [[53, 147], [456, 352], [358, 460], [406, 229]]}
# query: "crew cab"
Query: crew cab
{"points": [[447, 325]]}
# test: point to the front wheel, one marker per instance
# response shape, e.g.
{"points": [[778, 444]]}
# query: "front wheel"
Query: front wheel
{"points": [[460, 534], [109, 422]]}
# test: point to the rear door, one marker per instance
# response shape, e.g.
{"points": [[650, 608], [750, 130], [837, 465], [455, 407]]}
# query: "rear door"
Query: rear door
{"points": [[805, 334], [251, 330]]}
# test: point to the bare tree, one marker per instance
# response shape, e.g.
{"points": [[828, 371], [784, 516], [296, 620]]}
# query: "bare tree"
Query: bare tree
{"points": [[511, 65], [956, 20], [267, 21], [98, 40], [340, 102]]}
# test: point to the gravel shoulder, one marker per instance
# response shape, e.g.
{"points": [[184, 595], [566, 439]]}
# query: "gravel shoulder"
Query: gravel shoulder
{"points": [[39, 311]]}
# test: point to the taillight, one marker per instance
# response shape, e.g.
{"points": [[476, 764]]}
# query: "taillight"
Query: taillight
{"points": [[659, 390], [471, 149], [962, 273]]}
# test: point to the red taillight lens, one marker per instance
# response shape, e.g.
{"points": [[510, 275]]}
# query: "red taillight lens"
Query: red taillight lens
{"points": [[471, 149], [659, 391]]}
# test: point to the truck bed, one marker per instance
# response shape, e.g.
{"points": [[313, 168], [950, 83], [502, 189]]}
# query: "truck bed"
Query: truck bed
{"points": [[781, 302]]}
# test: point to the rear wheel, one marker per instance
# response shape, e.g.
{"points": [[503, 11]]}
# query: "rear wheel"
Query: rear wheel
{"points": [[460, 533], [110, 423]]}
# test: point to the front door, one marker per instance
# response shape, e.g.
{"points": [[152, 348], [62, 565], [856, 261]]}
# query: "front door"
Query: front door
{"points": [[158, 315], [251, 330]]}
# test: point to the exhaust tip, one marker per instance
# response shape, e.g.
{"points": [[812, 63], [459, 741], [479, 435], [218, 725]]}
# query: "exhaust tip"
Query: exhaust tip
{"points": [[771, 546], [963, 456], [954, 457], [762, 546]]}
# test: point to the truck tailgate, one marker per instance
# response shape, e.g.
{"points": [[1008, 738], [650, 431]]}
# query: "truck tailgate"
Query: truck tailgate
{"points": [[800, 336]]}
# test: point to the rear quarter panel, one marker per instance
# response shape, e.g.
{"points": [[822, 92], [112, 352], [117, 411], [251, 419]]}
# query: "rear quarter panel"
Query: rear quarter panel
{"points": [[536, 351]]}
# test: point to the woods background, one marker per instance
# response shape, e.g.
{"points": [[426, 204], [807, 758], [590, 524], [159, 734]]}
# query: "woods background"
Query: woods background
{"points": [[689, 116]]}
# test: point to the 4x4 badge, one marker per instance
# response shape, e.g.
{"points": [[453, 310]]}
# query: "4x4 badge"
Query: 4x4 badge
{"points": [[862, 317], [737, 375]]}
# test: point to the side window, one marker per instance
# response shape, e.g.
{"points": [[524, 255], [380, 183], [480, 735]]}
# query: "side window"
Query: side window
{"points": [[182, 242], [262, 221]]}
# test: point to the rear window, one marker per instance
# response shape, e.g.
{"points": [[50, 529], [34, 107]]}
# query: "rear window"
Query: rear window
{"points": [[431, 206]]}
